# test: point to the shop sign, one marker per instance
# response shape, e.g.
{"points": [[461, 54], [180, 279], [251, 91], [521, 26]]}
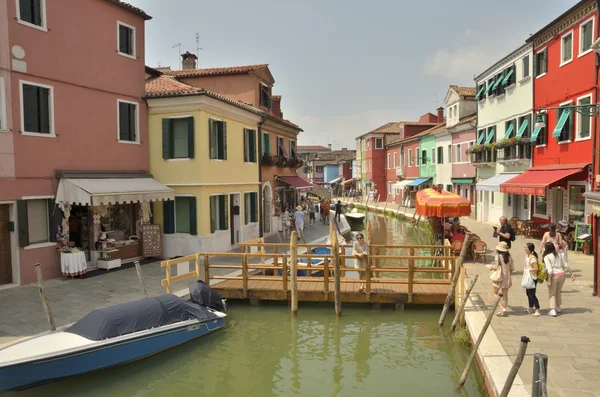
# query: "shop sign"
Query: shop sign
{"points": [[593, 207], [534, 191]]}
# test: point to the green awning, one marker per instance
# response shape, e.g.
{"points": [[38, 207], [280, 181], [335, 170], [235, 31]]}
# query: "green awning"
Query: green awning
{"points": [[535, 134], [480, 138], [490, 136], [497, 82], [510, 72], [480, 91], [490, 84], [462, 181], [522, 128], [561, 122], [509, 131]]}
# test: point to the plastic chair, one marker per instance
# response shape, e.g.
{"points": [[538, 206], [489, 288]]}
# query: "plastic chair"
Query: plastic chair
{"points": [[456, 247], [480, 247]]}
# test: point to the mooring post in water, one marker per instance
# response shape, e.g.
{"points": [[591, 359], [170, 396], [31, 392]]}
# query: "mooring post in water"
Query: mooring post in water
{"points": [[294, 271], [335, 249], [459, 263], [42, 291], [377, 202], [386, 202], [463, 303], [540, 366], [138, 270], [465, 373], [515, 368]]}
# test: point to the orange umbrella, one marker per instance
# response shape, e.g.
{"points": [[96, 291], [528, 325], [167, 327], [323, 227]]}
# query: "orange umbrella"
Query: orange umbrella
{"points": [[431, 202]]}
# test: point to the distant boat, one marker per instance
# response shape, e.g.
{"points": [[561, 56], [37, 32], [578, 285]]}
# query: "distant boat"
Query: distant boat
{"points": [[355, 218], [108, 337]]}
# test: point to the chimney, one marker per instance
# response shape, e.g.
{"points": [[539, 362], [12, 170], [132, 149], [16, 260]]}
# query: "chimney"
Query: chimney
{"points": [[440, 114], [276, 105], [189, 61], [329, 146], [344, 149]]}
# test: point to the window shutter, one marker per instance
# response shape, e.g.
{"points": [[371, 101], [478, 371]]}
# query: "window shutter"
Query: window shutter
{"points": [[169, 216], [224, 211], [25, 11], [22, 219], [246, 208], [193, 218], [55, 217], [191, 137], [37, 12], [30, 108], [44, 104], [123, 36], [252, 146], [123, 122], [212, 138], [253, 209], [166, 139], [224, 140], [246, 147], [132, 120], [213, 213]]}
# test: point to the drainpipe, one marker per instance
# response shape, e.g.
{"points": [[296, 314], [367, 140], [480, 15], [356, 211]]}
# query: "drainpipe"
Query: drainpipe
{"points": [[595, 159], [260, 191]]}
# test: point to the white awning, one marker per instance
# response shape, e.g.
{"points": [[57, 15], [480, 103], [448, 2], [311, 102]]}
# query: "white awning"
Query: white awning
{"points": [[402, 184], [111, 191], [493, 184], [336, 180]]}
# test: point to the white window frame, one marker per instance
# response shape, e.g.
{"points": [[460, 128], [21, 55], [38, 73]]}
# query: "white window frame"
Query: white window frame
{"points": [[410, 160], [562, 49], [529, 67], [44, 27], [450, 157], [540, 215], [379, 140], [134, 55], [3, 118], [395, 160], [578, 122], [137, 122], [389, 161], [458, 154], [180, 158], [545, 49], [581, 52], [52, 133]]}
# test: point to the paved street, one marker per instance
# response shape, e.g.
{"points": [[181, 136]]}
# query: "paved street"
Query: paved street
{"points": [[570, 340]]}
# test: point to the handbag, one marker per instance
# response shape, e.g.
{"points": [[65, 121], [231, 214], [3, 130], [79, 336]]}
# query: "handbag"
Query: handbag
{"points": [[527, 280], [496, 275]]}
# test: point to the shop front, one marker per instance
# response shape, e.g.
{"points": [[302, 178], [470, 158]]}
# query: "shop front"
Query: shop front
{"points": [[492, 204], [290, 191], [107, 221]]}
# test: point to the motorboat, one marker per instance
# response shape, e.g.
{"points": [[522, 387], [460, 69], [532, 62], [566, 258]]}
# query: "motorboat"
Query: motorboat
{"points": [[355, 218], [110, 337]]}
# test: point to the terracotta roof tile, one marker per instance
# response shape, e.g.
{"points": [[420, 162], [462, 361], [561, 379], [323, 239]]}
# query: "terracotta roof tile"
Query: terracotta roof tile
{"points": [[465, 91], [129, 7], [309, 148], [214, 71]]}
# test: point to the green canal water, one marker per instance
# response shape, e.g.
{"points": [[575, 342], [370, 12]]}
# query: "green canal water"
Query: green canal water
{"points": [[263, 351]]}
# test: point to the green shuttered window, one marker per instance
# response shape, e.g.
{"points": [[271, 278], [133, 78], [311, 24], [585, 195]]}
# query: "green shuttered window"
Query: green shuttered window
{"points": [[266, 143], [126, 41], [38, 221], [219, 213], [250, 208], [180, 216], [217, 136], [249, 145], [178, 138], [127, 122], [36, 109]]}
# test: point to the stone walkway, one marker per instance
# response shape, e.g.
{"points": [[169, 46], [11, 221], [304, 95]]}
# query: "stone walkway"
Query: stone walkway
{"points": [[21, 313], [570, 340]]}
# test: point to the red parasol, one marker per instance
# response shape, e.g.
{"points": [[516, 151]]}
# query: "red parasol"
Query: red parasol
{"points": [[440, 203]]}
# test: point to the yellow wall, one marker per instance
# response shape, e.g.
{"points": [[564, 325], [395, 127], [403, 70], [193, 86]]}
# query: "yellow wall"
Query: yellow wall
{"points": [[201, 169], [202, 195]]}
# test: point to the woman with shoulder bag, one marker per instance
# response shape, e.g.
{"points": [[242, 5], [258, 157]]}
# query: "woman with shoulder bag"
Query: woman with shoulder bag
{"points": [[556, 277], [503, 262], [530, 280]]}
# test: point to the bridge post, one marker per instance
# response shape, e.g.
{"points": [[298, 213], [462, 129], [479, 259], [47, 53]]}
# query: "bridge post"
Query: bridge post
{"points": [[294, 272]]}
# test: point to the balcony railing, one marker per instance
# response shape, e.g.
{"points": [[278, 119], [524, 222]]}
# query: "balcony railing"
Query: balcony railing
{"points": [[482, 157], [514, 153]]}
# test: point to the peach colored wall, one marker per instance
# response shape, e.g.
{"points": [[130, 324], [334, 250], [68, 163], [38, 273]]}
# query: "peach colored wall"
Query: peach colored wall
{"points": [[243, 87], [7, 153]]}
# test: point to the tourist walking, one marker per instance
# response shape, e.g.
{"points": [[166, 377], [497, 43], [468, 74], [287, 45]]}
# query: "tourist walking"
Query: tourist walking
{"points": [[299, 220], [285, 221], [530, 280], [557, 268], [338, 211], [360, 250], [560, 243], [506, 233], [504, 262], [326, 206], [311, 213]]}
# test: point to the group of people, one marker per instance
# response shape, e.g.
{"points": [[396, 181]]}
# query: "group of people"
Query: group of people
{"points": [[295, 218], [552, 267]]}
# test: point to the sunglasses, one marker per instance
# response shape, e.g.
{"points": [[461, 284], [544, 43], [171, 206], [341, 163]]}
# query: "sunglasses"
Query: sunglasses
{"points": [[359, 238]]}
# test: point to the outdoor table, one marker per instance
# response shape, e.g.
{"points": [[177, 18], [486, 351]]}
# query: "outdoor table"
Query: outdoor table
{"points": [[73, 263]]}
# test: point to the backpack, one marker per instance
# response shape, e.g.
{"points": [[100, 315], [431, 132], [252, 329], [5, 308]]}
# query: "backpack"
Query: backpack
{"points": [[512, 234], [541, 275]]}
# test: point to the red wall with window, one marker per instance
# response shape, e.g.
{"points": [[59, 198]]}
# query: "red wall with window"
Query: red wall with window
{"points": [[376, 159]]}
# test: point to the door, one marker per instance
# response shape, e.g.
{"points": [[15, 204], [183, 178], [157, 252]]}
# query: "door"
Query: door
{"points": [[516, 206], [5, 258]]}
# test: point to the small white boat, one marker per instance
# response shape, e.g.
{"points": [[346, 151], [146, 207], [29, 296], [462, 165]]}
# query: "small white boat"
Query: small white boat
{"points": [[355, 217]]}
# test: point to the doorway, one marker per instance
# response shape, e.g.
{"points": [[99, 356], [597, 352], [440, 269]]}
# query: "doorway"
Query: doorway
{"points": [[557, 205], [5, 254], [234, 217]]}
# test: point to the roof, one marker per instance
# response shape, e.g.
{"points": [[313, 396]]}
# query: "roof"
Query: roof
{"points": [[438, 127], [130, 8], [336, 156], [465, 91], [466, 120], [312, 148], [395, 127], [215, 71], [153, 72]]}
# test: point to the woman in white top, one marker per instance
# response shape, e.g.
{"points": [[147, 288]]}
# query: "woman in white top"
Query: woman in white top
{"points": [[285, 221], [556, 277], [360, 251], [530, 270]]}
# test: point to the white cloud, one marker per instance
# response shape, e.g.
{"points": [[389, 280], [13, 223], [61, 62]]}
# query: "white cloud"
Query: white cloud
{"points": [[462, 63]]}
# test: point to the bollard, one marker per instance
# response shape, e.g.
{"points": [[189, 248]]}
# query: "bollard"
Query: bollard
{"points": [[515, 368], [138, 270], [540, 366], [42, 291]]}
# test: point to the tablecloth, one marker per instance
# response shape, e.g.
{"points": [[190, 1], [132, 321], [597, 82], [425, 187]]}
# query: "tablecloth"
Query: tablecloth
{"points": [[73, 264]]}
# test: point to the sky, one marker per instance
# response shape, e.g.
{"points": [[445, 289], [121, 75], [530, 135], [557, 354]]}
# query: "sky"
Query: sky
{"points": [[345, 68]]}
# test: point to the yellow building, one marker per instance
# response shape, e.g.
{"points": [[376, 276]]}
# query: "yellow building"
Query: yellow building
{"points": [[204, 146]]}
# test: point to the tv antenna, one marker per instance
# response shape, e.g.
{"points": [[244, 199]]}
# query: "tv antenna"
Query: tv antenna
{"points": [[178, 45], [198, 48]]}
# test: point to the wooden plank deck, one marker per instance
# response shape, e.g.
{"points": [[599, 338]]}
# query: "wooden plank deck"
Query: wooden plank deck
{"points": [[311, 290]]}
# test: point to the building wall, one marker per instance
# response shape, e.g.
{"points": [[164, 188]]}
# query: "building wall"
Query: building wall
{"points": [[463, 169], [376, 159], [412, 171], [242, 87], [427, 170], [443, 171], [7, 153], [331, 172]]}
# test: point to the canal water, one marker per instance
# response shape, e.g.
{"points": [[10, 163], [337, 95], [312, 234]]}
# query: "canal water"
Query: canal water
{"points": [[265, 352]]}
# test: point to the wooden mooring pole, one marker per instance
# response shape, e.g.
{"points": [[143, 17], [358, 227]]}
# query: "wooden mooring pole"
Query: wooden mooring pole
{"points": [[294, 272], [335, 248], [138, 270], [515, 368], [540, 365], [459, 263], [43, 298], [465, 373], [463, 303]]}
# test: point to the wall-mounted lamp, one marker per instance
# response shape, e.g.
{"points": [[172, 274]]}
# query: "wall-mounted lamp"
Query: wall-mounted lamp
{"points": [[540, 120]]}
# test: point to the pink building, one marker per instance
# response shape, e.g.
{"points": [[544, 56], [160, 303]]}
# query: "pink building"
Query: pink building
{"points": [[70, 101]]}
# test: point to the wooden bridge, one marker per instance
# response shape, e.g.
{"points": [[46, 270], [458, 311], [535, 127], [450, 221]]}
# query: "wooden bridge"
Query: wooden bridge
{"points": [[395, 274]]}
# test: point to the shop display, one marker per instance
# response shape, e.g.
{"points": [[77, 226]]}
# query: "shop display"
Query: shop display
{"points": [[106, 261], [151, 241]]}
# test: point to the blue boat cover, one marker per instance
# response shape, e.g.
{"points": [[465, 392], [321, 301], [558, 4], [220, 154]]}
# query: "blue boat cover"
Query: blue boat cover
{"points": [[201, 294], [137, 316]]}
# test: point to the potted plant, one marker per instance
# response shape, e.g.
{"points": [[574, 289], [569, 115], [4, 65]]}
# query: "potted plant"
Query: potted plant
{"points": [[267, 159]]}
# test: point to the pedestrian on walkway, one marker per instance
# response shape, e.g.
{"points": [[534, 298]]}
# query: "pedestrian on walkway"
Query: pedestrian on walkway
{"points": [[311, 213], [506, 233], [556, 277], [338, 211], [560, 243], [530, 280], [299, 220], [360, 250], [326, 206], [504, 261], [285, 221]]}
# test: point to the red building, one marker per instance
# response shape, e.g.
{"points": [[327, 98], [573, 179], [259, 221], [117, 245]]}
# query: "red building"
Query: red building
{"points": [[565, 76]]}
